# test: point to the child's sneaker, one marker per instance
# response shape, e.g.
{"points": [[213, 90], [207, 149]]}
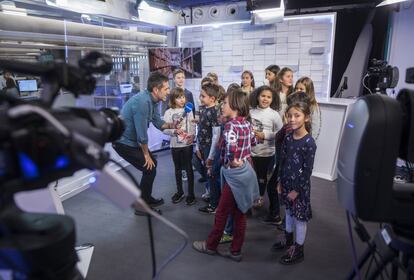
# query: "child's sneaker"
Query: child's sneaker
{"points": [[226, 238], [237, 257], [293, 255], [184, 175], [208, 209], [272, 220], [283, 243], [205, 195], [177, 197], [282, 226], [258, 203], [202, 180], [201, 247], [190, 200]]}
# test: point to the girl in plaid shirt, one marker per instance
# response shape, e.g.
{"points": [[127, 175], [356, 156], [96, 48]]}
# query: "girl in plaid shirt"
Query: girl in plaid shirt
{"points": [[239, 182]]}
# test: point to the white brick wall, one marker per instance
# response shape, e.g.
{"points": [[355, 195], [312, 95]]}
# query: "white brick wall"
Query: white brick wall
{"points": [[240, 45]]}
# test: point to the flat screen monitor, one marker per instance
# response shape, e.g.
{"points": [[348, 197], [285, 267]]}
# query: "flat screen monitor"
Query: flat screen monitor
{"points": [[166, 60], [125, 88], [27, 85]]}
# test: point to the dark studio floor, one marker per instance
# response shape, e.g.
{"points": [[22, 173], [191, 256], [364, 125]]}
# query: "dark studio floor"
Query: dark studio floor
{"points": [[122, 248]]}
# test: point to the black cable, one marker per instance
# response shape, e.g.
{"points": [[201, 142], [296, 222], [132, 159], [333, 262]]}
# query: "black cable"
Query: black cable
{"points": [[153, 258], [411, 175], [409, 171], [166, 222], [154, 269], [354, 256], [181, 248], [129, 174]]}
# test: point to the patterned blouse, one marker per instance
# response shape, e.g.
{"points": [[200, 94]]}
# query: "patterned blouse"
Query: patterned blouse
{"points": [[208, 120], [297, 158]]}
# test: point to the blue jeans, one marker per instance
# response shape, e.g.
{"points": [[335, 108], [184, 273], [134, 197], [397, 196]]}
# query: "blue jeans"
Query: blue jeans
{"points": [[229, 225], [199, 166], [214, 178]]}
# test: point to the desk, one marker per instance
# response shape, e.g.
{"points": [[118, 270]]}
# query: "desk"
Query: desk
{"points": [[333, 113]]}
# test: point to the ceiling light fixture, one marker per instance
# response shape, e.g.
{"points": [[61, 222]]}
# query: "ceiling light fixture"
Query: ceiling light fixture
{"points": [[153, 6], [269, 16], [156, 13], [9, 8]]}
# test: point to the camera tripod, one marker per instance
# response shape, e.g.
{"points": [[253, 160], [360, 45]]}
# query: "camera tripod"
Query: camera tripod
{"points": [[393, 244]]}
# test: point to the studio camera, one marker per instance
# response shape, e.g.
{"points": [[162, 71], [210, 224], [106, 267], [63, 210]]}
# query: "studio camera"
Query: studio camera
{"points": [[381, 76], [378, 131], [39, 145]]}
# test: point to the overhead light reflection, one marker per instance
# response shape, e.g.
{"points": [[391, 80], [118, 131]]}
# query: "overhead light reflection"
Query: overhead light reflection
{"points": [[390, 2]]}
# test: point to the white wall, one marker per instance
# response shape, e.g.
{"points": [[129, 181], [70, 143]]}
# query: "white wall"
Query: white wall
{"points": [[240, 44], [402, 42]]}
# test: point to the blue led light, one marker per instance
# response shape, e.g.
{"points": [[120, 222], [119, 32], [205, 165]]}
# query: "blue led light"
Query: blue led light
{"points": [[61, 162], [28, 167], [350, 125], [92, 179]]}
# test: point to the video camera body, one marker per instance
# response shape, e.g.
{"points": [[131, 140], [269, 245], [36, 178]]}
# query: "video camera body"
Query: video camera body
{"points": [[386, 75], [35, 150], [39, 145], [378, 130]]}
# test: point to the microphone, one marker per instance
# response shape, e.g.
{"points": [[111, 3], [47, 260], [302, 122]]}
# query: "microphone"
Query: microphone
{"points": [[345, 83], [187, 109]]}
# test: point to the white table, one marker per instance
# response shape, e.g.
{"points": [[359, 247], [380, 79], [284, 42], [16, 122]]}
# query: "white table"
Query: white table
{"points": [[333, 113]]}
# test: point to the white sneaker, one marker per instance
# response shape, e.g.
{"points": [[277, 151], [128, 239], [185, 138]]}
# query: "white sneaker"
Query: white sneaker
{"points": [[205, 195], [184, 175]]}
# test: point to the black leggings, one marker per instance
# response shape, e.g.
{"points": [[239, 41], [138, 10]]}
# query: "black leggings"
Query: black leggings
{"points": [[261, 166], [274, 207], [182, 161]]}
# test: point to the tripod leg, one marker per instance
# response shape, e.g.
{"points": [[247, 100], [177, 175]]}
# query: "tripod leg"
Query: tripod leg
{"points": [[361, 261], [380, 267], [394, 271]]}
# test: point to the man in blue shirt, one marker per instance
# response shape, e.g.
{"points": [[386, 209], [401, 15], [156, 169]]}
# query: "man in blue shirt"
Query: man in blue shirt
{"points": [[138, 112]]}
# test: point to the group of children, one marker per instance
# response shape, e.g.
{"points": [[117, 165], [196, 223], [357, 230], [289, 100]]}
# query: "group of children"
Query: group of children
{"points": [[242, 135]]}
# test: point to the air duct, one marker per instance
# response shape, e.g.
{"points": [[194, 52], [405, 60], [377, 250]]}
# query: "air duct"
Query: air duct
{"points": [[57, 27]]}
